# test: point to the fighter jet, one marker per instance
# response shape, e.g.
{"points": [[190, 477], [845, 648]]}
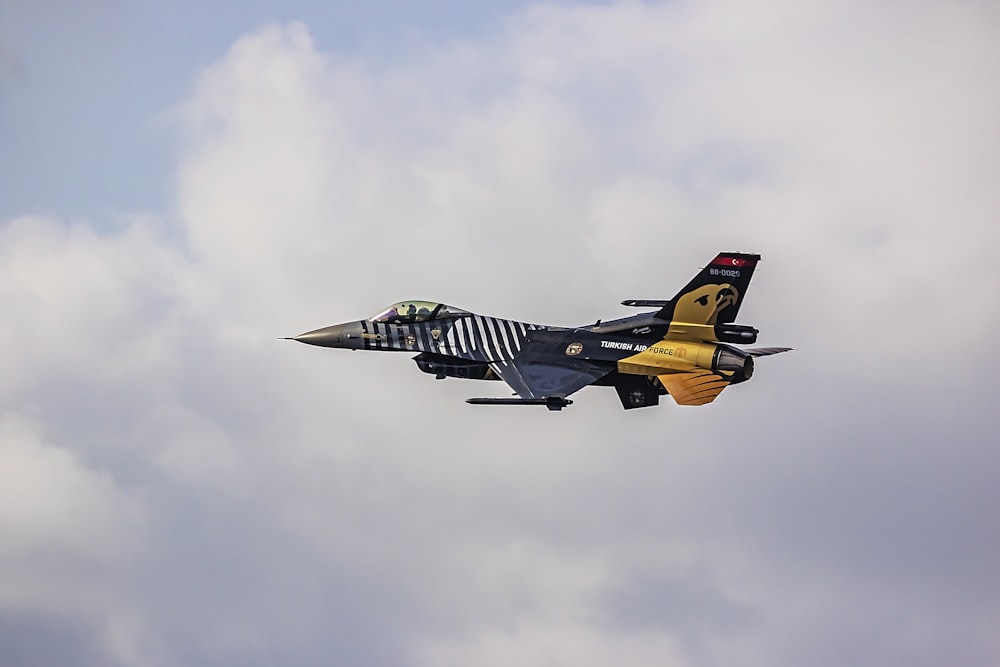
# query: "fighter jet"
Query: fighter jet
{"points": [[685, 348]]}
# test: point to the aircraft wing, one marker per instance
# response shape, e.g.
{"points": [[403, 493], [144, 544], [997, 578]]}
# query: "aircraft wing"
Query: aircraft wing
{"points": [[536, 375], [765, 351]]}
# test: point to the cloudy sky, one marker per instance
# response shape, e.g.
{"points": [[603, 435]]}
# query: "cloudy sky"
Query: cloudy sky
{"points": [[182, 183]]}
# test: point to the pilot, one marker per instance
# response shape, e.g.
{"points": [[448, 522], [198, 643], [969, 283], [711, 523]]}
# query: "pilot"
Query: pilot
{"points": [[411, 313]]}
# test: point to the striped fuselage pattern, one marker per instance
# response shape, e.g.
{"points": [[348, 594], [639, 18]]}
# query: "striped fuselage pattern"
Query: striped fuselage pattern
{"points": [[472, 337]]}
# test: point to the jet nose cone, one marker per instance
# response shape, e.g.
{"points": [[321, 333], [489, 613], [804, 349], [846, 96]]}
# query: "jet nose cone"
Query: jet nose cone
{"points": [[327, 337], [338, 335]]}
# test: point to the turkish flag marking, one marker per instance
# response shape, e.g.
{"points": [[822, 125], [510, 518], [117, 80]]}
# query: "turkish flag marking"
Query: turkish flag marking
{"points": [[730, 261]]}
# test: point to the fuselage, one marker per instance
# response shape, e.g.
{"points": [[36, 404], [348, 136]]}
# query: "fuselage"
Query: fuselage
{"points": [[450, 342], [471, 337]]}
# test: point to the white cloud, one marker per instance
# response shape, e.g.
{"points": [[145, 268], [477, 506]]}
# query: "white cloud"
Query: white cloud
{"points": [[50, 502], [535, 643], [66, 529]]}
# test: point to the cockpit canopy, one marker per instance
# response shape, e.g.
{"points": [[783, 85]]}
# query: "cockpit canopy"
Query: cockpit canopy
{"points": [[410, 312]]}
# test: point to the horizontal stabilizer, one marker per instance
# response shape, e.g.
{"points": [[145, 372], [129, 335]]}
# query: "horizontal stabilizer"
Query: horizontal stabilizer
{"points": [[766, 351], [552, 402], [645, 303]]}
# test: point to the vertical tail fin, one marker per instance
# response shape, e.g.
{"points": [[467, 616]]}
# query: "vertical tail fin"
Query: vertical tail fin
{"points": [[715, 295]]}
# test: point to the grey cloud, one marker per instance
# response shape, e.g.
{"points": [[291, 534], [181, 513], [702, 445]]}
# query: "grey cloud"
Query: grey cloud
{"points": [[46, 639], [297, 505]]}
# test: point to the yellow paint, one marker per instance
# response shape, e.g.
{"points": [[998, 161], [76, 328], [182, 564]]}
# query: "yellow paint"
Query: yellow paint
{"points": [[694, 388], [703, 304], [696, 311], [689, 331], [668, 356]]}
